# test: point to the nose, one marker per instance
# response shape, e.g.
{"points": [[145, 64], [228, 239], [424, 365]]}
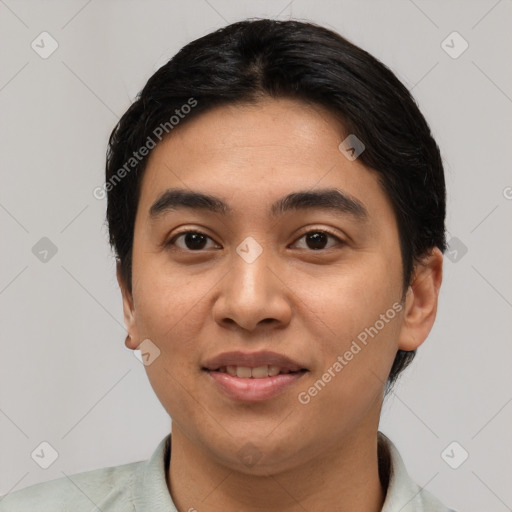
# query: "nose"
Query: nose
{"points": [[254, 294]]}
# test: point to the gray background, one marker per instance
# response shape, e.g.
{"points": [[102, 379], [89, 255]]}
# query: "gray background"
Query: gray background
{"points": [[65, 375]]}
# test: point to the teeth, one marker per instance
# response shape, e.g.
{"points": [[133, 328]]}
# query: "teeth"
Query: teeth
{"points": [[260, 372], [243, 372], [273, 370]]}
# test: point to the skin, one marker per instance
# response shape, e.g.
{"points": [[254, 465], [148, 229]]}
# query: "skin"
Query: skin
{"points": [[307, 304]]}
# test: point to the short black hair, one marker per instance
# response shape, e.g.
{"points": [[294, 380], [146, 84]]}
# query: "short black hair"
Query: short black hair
{"points": [[261, 58]]}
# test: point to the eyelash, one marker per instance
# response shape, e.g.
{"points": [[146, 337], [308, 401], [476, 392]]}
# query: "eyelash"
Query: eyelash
{"points": [[323, 230]]}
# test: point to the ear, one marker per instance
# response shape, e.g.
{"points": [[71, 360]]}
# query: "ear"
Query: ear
{"points": [[421, 301], [128, 310]]}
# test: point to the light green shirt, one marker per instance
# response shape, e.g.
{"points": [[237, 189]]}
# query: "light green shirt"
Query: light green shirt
{"points": [[142, 487]]}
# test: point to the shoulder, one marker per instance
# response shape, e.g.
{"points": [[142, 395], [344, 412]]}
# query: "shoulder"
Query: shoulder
{"points": [[107, 489]]}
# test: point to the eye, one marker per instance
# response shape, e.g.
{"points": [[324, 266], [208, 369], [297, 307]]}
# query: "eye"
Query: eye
{"points": [[197, 241], [318, 239], [192, 241]]}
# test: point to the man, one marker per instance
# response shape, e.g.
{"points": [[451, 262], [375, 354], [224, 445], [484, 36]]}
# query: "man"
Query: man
{"points": [[276, 204]]}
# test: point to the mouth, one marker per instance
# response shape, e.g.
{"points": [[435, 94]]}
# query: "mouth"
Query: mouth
{"points": [[253, 377], [259, 372]]}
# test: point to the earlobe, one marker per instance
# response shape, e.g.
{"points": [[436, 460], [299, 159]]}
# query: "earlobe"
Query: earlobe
{"points": [[128, 310], [129, 343], [421, 301]]}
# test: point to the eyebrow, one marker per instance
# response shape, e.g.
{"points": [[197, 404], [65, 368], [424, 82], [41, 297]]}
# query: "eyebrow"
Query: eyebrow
{"points": [[323, 199]]}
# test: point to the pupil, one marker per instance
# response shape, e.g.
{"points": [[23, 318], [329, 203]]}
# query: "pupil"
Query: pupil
{"points": [[195, 240], [317, 240]]}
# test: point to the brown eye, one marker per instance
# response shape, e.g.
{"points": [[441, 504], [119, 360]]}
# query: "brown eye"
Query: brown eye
{"points": [[191, 240], [317, 240]]}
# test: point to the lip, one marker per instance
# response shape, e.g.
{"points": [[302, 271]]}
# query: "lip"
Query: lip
{"points": [[252, 360], [253, 390]]}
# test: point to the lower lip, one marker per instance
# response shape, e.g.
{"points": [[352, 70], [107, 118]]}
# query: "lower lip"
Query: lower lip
{"points": [[254, 390]]}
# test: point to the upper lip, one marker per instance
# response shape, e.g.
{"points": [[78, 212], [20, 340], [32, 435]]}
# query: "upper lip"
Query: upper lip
{"points": [[252, 360]]}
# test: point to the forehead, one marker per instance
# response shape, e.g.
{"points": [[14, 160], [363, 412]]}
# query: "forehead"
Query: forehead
{"points": [[257, 153]]}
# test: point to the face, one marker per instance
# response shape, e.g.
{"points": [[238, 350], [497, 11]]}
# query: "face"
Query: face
{"points": [[276, 321]]}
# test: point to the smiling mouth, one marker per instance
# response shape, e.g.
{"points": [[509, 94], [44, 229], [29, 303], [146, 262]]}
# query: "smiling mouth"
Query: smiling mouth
{"points": [[252, 376], [258, 372], [253, 384]]}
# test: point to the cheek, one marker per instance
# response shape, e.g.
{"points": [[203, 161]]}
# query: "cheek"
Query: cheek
{"points": [[173, 321], [361, 315], [171, 311], [351, 299], [171, 314], [348, 384], [164, 300]]}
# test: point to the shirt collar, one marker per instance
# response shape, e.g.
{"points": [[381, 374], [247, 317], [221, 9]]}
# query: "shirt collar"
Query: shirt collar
{"points": [[149, 486], [150, 491], [403, 494]]}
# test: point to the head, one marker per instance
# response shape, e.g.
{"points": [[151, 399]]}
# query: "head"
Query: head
{"points": [[243, 137]]}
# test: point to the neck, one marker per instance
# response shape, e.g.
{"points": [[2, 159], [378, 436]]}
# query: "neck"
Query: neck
{"points": [[343, 478]]}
